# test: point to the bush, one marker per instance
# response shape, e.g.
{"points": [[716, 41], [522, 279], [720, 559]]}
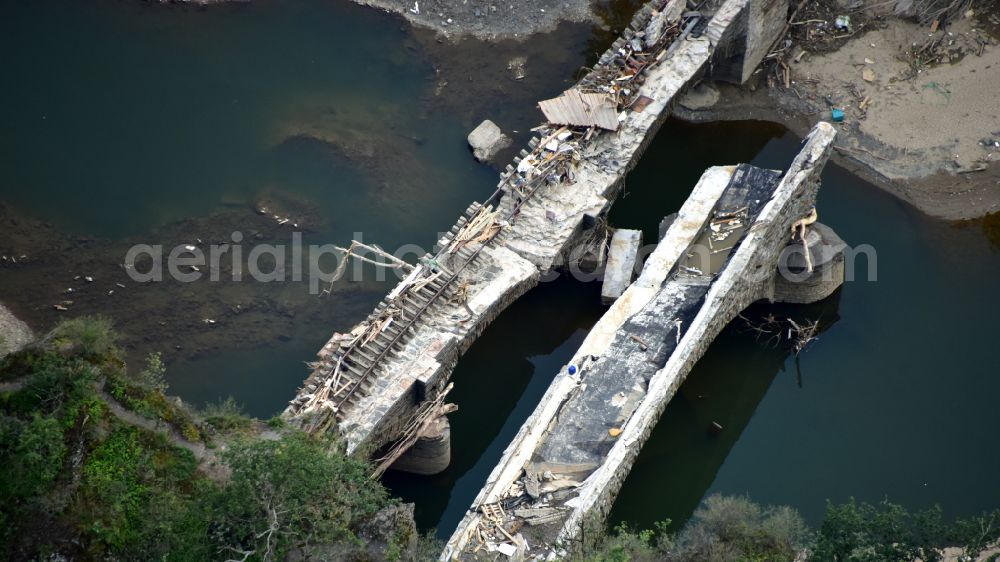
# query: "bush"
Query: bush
{"points": [[152, 376], [32, 454], [723, 529], [227, 416], [626, 545], [735, 529], [291, 494], [91, 336], [855, 532]]}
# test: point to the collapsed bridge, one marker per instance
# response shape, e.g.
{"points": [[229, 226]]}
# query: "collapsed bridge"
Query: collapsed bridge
{"points": [[382, 385], [563, 469]]}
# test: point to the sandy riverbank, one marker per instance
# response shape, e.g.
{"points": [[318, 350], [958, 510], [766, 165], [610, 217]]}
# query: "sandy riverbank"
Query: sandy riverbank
{"points": [[928, 132]]}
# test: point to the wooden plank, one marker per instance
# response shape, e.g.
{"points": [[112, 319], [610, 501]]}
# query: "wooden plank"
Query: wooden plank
{"points": [[582, 110]]}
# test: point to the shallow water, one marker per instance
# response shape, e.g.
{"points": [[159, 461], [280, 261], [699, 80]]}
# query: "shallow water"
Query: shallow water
{"points": [[122, 117], [128, 121]]}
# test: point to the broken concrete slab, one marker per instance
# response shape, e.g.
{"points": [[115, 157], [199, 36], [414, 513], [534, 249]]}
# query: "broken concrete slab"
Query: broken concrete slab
{"points": [[487, 140], [620, 268]]}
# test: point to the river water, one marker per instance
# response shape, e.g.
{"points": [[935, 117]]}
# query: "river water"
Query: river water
{"points": [[124, 121]]}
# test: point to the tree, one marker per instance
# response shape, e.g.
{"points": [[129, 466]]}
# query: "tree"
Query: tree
{"points": [[291, 494]]}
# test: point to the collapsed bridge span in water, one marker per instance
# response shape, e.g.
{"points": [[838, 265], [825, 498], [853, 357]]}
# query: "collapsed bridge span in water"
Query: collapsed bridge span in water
{"points": [[380, 385], [565, 466]]}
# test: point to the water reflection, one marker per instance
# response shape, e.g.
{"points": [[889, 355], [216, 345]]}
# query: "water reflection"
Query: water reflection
{"points": [[712, 408]]}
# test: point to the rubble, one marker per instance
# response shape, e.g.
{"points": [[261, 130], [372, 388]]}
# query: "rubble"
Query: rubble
{"points": [[621, 265]]}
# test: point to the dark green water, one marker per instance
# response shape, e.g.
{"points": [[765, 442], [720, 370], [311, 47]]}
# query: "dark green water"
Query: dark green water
{"points": [[897, 399], [120, 117], [123, 117]]}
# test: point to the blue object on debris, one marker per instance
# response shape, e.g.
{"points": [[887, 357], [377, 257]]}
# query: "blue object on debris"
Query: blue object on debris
{"points": [[572, 369], [837, 115]]}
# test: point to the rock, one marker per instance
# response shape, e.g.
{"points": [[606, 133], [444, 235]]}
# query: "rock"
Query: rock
{"points": [[486, 140], [516, 66], [702, 96], [15, 334], [654, 29]]}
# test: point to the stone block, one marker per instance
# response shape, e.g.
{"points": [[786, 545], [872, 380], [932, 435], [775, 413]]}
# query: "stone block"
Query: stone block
{"points": [[487, 140]]}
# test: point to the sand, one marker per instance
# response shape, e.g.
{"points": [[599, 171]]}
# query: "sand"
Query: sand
{"points": [[938, 115]]}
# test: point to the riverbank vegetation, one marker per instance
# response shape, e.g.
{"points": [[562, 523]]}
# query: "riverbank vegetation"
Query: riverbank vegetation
{"points": [[103, 465], [734, 529], [99, 465]]}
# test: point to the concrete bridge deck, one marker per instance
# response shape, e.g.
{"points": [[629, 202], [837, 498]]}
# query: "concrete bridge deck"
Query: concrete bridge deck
{"points": [[372, 383], [563, 469]]}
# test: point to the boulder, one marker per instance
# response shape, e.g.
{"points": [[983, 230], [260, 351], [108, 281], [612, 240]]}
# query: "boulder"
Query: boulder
{"points": [[487, 140]]}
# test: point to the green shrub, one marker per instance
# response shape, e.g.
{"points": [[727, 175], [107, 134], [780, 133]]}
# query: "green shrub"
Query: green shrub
{"points": [[152, 376], [626, 545], [91, 336], [32, 454], [729, 528], [292, 494], [227, 416], [854, 532], [723, 529]]}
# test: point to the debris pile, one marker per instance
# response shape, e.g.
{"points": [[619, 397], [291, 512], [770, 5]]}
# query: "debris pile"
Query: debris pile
{"points": [[600, 101], [534, 500]]}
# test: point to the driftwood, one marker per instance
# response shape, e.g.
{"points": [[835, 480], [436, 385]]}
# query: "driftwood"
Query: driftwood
{"points": [[352, 251], [428, 412], [801, 225]]}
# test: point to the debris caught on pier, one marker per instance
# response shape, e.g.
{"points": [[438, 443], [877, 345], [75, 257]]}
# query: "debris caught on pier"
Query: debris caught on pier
{"points": [[802, 334], [482, 227], [799, 228], [770, 330], [426, 414]]}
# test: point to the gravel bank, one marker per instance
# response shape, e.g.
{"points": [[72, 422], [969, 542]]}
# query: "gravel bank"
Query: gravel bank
{"points": [[487, 19], [14, 334]]}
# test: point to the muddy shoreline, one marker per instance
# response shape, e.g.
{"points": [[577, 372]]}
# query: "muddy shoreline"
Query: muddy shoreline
{"points": [[943, 195], [64, 276]]}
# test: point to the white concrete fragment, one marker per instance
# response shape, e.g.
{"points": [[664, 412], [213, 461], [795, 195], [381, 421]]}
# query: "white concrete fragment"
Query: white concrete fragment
{"points": [[620, 269], [486, 140]]}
